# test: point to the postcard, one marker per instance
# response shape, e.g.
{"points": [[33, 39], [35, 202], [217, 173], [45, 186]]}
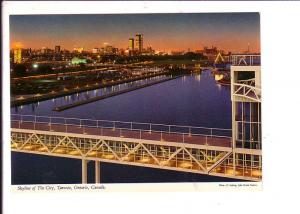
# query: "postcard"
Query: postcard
{"points": [[135, 98]]}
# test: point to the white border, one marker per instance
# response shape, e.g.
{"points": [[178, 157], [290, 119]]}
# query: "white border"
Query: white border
{"points": [[280, 83]]}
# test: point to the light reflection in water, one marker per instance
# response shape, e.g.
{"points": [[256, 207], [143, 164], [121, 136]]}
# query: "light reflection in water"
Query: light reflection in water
{"points": [[198, 78], [219, 77]]}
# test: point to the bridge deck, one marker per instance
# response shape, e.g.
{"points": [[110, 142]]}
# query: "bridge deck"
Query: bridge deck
{"points": [[127, 133]]}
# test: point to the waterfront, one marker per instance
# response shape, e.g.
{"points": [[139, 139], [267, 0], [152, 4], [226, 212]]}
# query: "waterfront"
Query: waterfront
{"points": [[194, 100]]}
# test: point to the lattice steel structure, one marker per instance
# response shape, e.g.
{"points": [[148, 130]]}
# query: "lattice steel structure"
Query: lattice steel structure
{"points": [[189, 152], [246, 111], [201, 159]]}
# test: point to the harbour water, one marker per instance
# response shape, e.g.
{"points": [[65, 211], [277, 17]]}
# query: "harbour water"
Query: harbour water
{"points": [[195, 100]]}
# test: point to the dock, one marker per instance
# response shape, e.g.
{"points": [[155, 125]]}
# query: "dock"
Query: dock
{"points": [[101, 97]]}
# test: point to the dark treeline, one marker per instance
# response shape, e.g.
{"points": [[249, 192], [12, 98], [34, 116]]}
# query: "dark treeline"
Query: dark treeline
{"points": [[24, 69], [141, 58]]}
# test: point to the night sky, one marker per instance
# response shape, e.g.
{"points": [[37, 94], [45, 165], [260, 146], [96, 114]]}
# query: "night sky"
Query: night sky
{"points": [[164, 32]]}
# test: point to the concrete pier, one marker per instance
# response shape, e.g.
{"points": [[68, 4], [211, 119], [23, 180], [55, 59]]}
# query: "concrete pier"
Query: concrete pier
{"points": [[82, 102]]}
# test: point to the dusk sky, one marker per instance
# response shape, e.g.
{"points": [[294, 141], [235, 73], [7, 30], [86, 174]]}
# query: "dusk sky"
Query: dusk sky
{"points": [[164, 32]]}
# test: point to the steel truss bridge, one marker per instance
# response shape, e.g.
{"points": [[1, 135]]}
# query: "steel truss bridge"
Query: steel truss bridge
{"points": [[200, 150]]}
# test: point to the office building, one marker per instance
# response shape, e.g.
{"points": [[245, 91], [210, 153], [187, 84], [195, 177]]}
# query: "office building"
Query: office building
{"points": [[139, 43], [95, 50], [17, 55], [78, 50], [57, 49], [131, 44]]}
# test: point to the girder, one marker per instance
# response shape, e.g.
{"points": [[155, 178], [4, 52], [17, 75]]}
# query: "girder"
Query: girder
{"points": [[171, 156]]}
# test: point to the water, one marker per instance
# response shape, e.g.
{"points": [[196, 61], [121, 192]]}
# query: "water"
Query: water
{"points": [[194, 100]]}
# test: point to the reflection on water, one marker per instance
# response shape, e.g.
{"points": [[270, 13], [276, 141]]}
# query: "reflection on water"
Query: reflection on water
{"points": [[219, 77], [198, 77]]}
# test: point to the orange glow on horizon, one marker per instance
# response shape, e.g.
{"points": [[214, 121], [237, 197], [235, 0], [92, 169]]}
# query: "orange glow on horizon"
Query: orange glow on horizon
{"points": [[159, 46], [16, 45]]}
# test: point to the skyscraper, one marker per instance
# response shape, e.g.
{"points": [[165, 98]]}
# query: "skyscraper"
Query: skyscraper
{"points": [[95, 50], [131, 44], [17, 55], [57, 49], [139, 43]]}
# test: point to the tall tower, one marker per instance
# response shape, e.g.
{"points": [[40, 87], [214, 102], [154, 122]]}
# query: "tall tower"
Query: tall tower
{"points": [[139, 42], [57, 49], [131, 44], [246, 116], [17, 55]]}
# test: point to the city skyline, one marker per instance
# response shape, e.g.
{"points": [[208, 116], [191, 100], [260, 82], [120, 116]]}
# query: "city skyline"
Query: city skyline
{"points": [[163, 32]]}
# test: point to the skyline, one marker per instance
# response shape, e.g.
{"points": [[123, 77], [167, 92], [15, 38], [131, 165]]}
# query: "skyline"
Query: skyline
{"points": [[163, 32]]}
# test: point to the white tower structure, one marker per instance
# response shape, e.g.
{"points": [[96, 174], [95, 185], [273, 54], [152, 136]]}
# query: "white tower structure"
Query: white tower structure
{"points": [[246, 115]]}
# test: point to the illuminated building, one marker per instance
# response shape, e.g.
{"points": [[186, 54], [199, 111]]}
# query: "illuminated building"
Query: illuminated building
{"points": [[210, 53], [95, 50], [121, 52], [139, 42], [45, 50], [76, 61], [108, 49], [57, 49], [148, 51], [131, 44], [17, 55], [78, 50]]}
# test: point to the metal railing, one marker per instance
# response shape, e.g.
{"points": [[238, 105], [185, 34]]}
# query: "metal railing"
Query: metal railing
{"points": [[244, 59], [121, 128], [250, 82], [247, 91]]}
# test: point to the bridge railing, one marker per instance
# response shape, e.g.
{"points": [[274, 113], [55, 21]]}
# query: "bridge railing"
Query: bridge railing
{"points": [[248, 91], [250, 82], [120, 128], [244, 59]]}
